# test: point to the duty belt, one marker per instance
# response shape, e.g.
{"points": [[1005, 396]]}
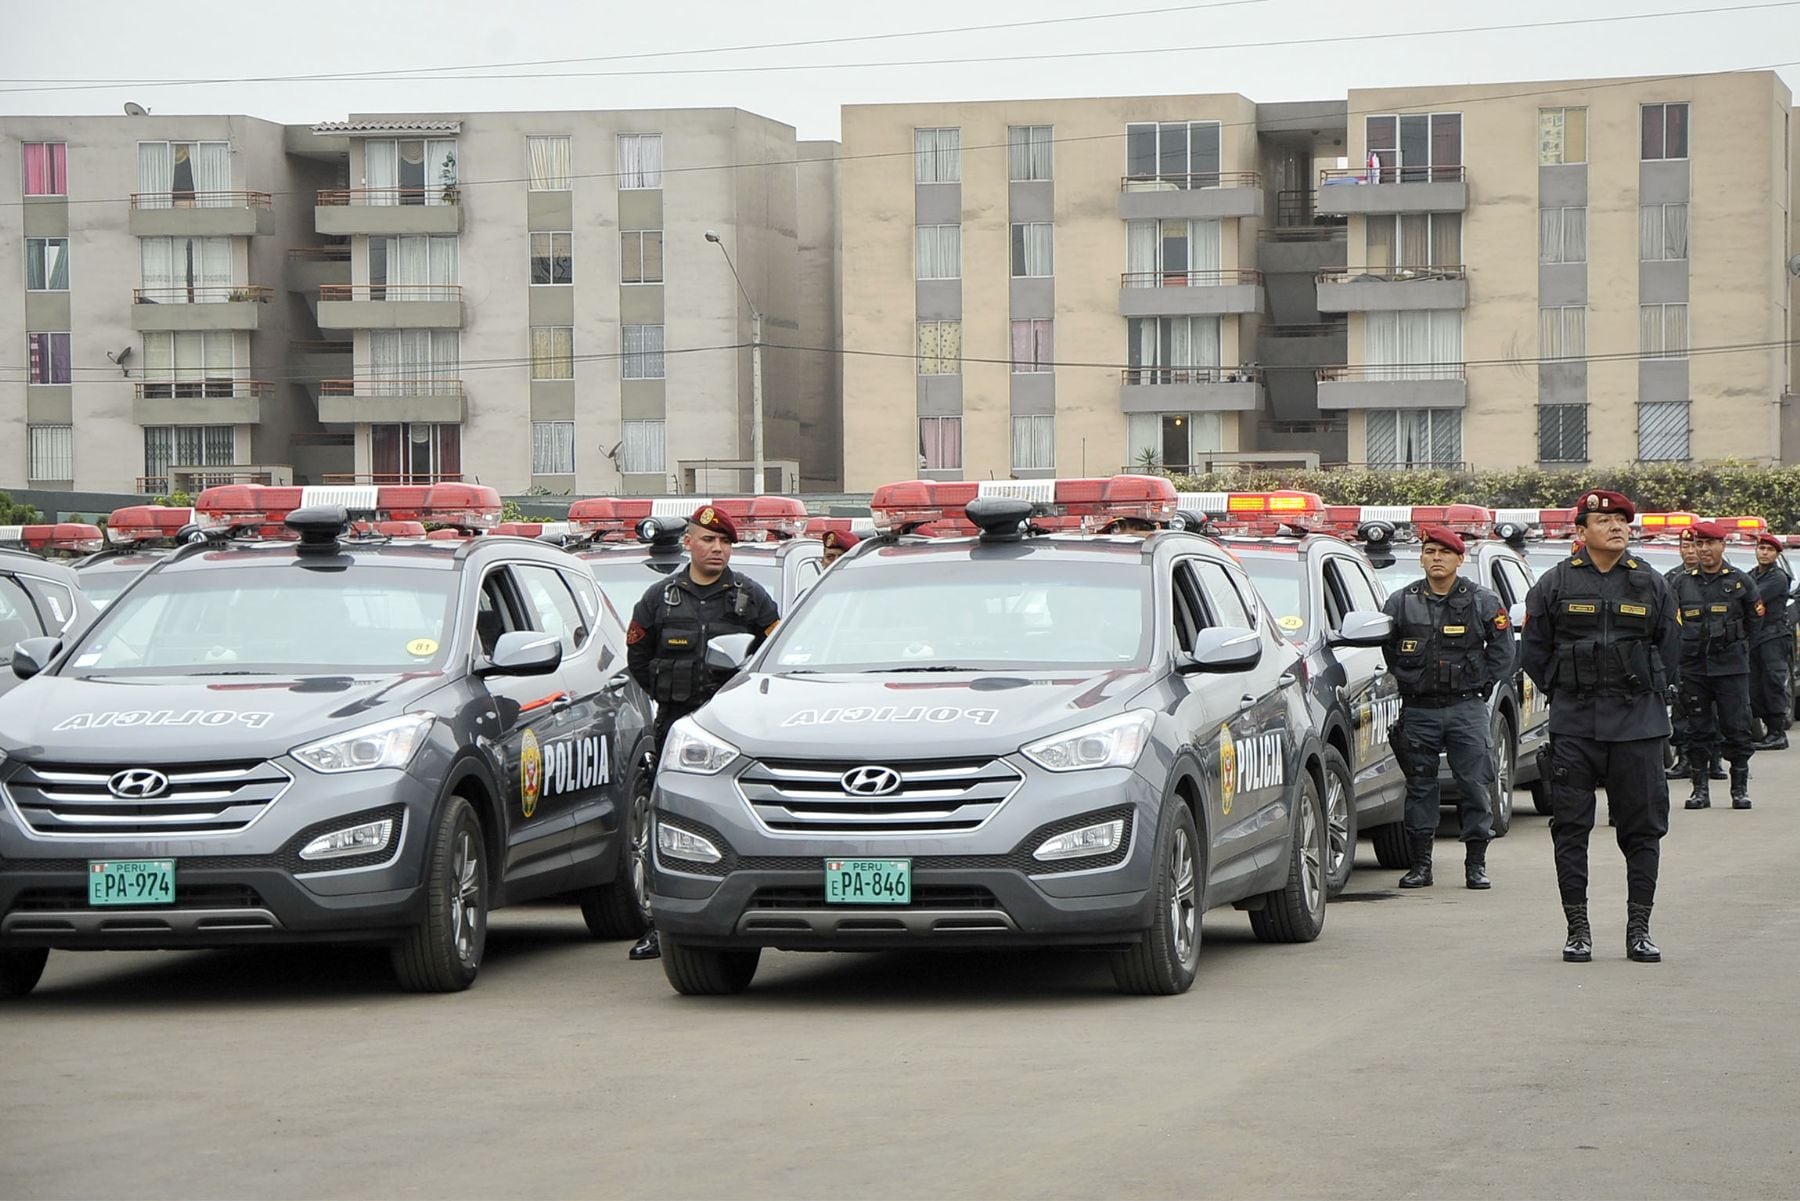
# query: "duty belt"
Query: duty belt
{"points": [[1438, 700]]}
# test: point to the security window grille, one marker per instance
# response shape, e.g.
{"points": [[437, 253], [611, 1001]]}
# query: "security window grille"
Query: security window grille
{"points": [[1663, 431], [937, 156], [1562, 136], [1033, 346], [46, 264], [1662, 232], [940, 347], [1562, 433], [52, 452], [643, 357], [1033, 249], [46, 170], [552, 448], [552, 352], [641, 451], [548, 158], [1413, 438], [167, 446], [940, 443], [1663, 331], [1562, 235], [641, 256], [48, 356], [1034, 443], [939, 251], [552, 258], [1562, 332], [1028, 152], [1665, 131], [640, 161]]}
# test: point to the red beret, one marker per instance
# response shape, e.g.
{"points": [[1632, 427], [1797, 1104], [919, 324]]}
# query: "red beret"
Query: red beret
{"points": [[840, 540], [1710, 530], [709, 518], [1599, 500], [1687, 534], [1768, 540], [1447, 538]]}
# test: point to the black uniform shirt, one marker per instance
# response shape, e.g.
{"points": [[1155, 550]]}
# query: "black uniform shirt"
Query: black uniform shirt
{"points": [[1726, 597], [709, 611], [1772, 589], [1492, 629]]}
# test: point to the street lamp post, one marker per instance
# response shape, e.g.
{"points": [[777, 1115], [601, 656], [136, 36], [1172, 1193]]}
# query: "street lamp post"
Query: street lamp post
{"points": [[756, 375]]}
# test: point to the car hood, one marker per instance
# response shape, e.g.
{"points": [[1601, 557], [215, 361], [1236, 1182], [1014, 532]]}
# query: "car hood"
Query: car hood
{"points": [[949, 714]]}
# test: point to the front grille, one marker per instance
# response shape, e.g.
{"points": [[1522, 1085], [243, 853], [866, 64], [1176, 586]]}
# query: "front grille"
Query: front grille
{"points": [[187, 896], [933, 796], [924, 896], [201, 799]]}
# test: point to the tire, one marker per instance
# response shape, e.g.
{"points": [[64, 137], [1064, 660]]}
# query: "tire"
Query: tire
{"points": [[1296, 911], [707, 971], [21, 970], [1165, 962], [620, 908], [1390, 845], [443, 953], [1506, 762], [1340, 823]]}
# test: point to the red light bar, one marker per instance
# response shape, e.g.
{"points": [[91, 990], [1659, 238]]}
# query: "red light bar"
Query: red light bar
{"points": [[67, 537], [1744, 529], [1072, 504], [608, 517], [818, 527], [138, 525], [263, 507], [391, 529], [938, 503], [1461, 518], [764, 518], [1557, 523], [1659, 523]]}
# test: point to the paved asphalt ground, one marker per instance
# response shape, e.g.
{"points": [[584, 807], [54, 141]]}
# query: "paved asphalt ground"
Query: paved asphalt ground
{"points": [[1430, 1044]]}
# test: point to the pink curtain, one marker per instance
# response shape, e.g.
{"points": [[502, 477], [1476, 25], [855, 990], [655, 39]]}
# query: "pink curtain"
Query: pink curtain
{"points": [[46, 169], [49, 358], [940, 441]]}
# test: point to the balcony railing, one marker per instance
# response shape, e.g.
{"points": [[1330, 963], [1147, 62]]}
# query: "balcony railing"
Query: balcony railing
{"points": [[1182, 181], [319, 254], [184, 294], [320, 346], [1413, 465], [1305, 329], [201, 200], [1376, 373], [204, 389], [1339, 176], [1347, 275], [436, 194], [1148, 376], [196, 479], [370, 386], [1301, 233], [1189, 279], [394, 477], [396, 293]]}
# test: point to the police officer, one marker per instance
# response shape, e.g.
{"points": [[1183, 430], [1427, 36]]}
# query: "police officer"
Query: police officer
{"points": [[1678, 738], [1772, 651], [1451, 645], [1720, 614], [1602, 643], [836, 543], [665, 644]]}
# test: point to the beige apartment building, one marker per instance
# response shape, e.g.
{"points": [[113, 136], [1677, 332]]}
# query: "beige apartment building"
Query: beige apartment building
{"points": [[1539, 273], [528, 300]]}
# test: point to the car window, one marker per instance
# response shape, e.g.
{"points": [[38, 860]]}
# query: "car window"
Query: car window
{"points": [[1337, 594], [494, 614], [1357, 586], [600, 615], [18, 620], [552, 606], [55, 602], [1517, 582], [1189, 611], [1224, 599], [1277, 576]]}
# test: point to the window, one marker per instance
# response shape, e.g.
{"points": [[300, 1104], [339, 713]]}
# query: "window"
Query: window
{"points": [[415, 453], [1562, 235], [46, 169], [1562, 332], [1413, 344], [548, 158], [1562, 136], [186, 270], [940, 443], [1356, 589], [1413, 437], [1663, 331], [1409, 241], [49, 356], [1172, 154], [1224, 596], [46, 264], [1028, 151], [640, 160], [937, 156], [643, 352], [410, 171], [1033, 249], [552, 352], [52, 452], [642, 450], [1562, 434], [1034, 443], [1172, 350], [416, 268], [939, 251], [553, 448], [1414, 147], [167, 446], [1663, 431], [552, 605], [191, 365], [940, 347], [185, 174], [1173, 253], [414, 362], [1662, 232], [641, 256], [1033, 346], [1665, 131], [552, 258], [1174, 440]]}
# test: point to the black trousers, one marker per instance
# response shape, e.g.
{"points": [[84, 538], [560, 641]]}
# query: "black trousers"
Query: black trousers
{"points": [[1718, 714], [1769, 697], [1460, 732], [1636, 792]]}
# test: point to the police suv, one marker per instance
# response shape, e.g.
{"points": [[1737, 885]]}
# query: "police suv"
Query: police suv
{"points": [[137, 536], [38, 597], [294, 731], [996, 739]]}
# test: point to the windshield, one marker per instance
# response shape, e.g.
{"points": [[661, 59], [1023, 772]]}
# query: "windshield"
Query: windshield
{"points": [[1279, 579], [624, 581], [274, 619], [1029, 613], [103, 586]]}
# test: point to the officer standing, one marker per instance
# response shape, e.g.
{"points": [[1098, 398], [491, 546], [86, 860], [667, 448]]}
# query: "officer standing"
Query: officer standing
{"points": [[1720, 614], [665, 645], [1452, 643], [1679, 770], [1772, 652], [1602, 642], [836, 543]]}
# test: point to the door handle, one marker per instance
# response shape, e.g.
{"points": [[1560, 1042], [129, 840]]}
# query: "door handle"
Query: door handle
{"points": [[1286, 680], [616, 683], [1380, 670], [562, 703], [1246, 701]]}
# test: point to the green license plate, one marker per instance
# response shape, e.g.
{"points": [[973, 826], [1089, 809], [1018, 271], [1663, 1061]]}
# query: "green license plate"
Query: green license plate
{"points": [[131, 881], [868, 881]]}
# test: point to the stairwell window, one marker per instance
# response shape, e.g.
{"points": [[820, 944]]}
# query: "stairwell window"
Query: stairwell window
{"points": [[1033, 249], [1663, 331], [1562, 235], [1662, 232], [937, 156], [642, 446], [553, 448], [1028, 152], [938, 251], [643, 357], [1562, 136], [1665, 131], [1562, 332], [640, 161]]}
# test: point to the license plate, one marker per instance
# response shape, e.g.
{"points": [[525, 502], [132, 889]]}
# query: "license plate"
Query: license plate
{"points": [[868, 881], [131, 881]]}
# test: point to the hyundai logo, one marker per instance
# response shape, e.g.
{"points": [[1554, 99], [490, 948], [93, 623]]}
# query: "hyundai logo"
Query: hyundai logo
{"points": [[138, 784], [871, 781]]}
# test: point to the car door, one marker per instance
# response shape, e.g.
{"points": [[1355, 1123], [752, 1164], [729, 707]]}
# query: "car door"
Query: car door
{"points": [[1370, 692], [19, 620], [1534, 707]]}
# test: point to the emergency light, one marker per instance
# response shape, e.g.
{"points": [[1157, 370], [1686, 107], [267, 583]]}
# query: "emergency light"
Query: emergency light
{"points": [[758, 518], [764, 518], [147, 525], [535, 529], [63, 537], [1651, 524], [263, 508], [1062, 505], [1744, 529]]}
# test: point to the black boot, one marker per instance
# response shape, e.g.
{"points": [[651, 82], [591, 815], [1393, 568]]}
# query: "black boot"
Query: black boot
{"points": [[1680, 769], [1774, 740], [647, 947], [1718, 768], [1702, 795], [1419, 875], [1740, 786], [1580, 946], [1475, 865], [1638, 947]]}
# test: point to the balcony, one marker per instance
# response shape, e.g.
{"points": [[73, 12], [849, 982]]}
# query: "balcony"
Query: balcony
{"points": [[1395, 190], [1190, 390], [1390, 289], [365, 399], [390, 306], [1300, 249], [182, 308], [199, 401], [310, 268], [1184, 293], [313, 361], [1395, 386], [201, 214], [197, 479], [342, 212], [1176, 196]]}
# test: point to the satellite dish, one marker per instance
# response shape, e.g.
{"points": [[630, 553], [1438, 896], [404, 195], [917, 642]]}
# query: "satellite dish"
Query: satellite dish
{"points": [[134, 109], [1794, 265]]}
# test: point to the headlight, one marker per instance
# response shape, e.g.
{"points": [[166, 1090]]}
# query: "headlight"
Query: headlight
{"points": [[693, 750], [352, 840], [1096, 839], [1113, 742], [677, 843], [389, 743]]}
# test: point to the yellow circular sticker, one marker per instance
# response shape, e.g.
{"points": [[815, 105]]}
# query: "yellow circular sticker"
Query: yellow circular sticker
{"points": [[422, 648], [1290, 622], [531, 773], [1227, 770]]}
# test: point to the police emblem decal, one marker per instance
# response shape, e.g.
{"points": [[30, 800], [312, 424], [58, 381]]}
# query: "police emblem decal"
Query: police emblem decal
{"points": [[1227, 770], [531, 773]]}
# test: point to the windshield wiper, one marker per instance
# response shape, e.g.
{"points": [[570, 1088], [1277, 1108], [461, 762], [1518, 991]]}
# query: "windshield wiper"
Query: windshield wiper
{"points": [[230, 673], [931, 667]]}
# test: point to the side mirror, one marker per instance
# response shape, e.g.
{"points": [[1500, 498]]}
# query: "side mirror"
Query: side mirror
{"points": [[1363, 628], [1222, 651], [31, 655], [727, 652], [523, 653]]}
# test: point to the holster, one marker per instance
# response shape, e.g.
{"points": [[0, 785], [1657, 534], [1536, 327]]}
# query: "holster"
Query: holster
{"points": [[1405, 754], [1546, 757]]}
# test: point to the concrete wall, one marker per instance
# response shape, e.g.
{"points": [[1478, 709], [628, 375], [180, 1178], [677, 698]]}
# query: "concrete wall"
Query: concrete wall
{"points": [[819, 370]]}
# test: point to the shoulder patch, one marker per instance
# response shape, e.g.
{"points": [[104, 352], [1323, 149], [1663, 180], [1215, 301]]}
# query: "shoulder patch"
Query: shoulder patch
{"points": [[1577, 561], [1502, 621], [635, 633]]}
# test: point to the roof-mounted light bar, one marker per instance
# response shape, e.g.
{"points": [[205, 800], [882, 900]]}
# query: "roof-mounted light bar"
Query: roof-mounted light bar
{"points": [[262, 509], [59, 538], [147, 525], [940, 507]]}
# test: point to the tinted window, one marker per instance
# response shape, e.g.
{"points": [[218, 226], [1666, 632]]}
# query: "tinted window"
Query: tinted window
{"points": [[1279, 579], [55, 602], [552, 605], [18, 620], [1229, 607], [1518, 583], [1358, 586]]}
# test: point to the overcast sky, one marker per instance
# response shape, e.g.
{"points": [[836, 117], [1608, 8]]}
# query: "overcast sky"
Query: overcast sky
{"points": [[78, 41]]}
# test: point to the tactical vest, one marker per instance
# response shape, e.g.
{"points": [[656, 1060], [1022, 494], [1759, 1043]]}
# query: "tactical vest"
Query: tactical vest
{"points": [[1606, 647], [1714, 621], [1441, 650], [679, 675]]}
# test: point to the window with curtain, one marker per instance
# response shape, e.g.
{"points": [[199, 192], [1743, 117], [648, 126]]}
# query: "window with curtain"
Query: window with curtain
{"points": [[1413, 344], [186, 270], [415, 452], [414, 362], [1663, 331], [52, 455], [1028, 152], [184, 174], [1665, 129], [1033, 249], [1663, 431], [552, 448], [641, 448], [1412, 437], [640, 160], [1562, 136], [1562, 332], [643, 346], [552, 258], [1413, 147], [939, 251], [1173, 253], [410, 171], [548, 158], [1034, 443], [48, 358], [937, 156], [1562, 235], [940, 443], [641, 256], [1412, 241], [1172, 154], [46, 264], [1562, 433], [167, 446], [189, 365], [553, 352], [1662, 232], [940, 347], [1033, 346], [46, 174], [1172, 350]]}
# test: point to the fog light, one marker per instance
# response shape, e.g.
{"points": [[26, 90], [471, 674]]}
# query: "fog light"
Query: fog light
{"points": [[351, 840], [1089, 840], [677, 843]]}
